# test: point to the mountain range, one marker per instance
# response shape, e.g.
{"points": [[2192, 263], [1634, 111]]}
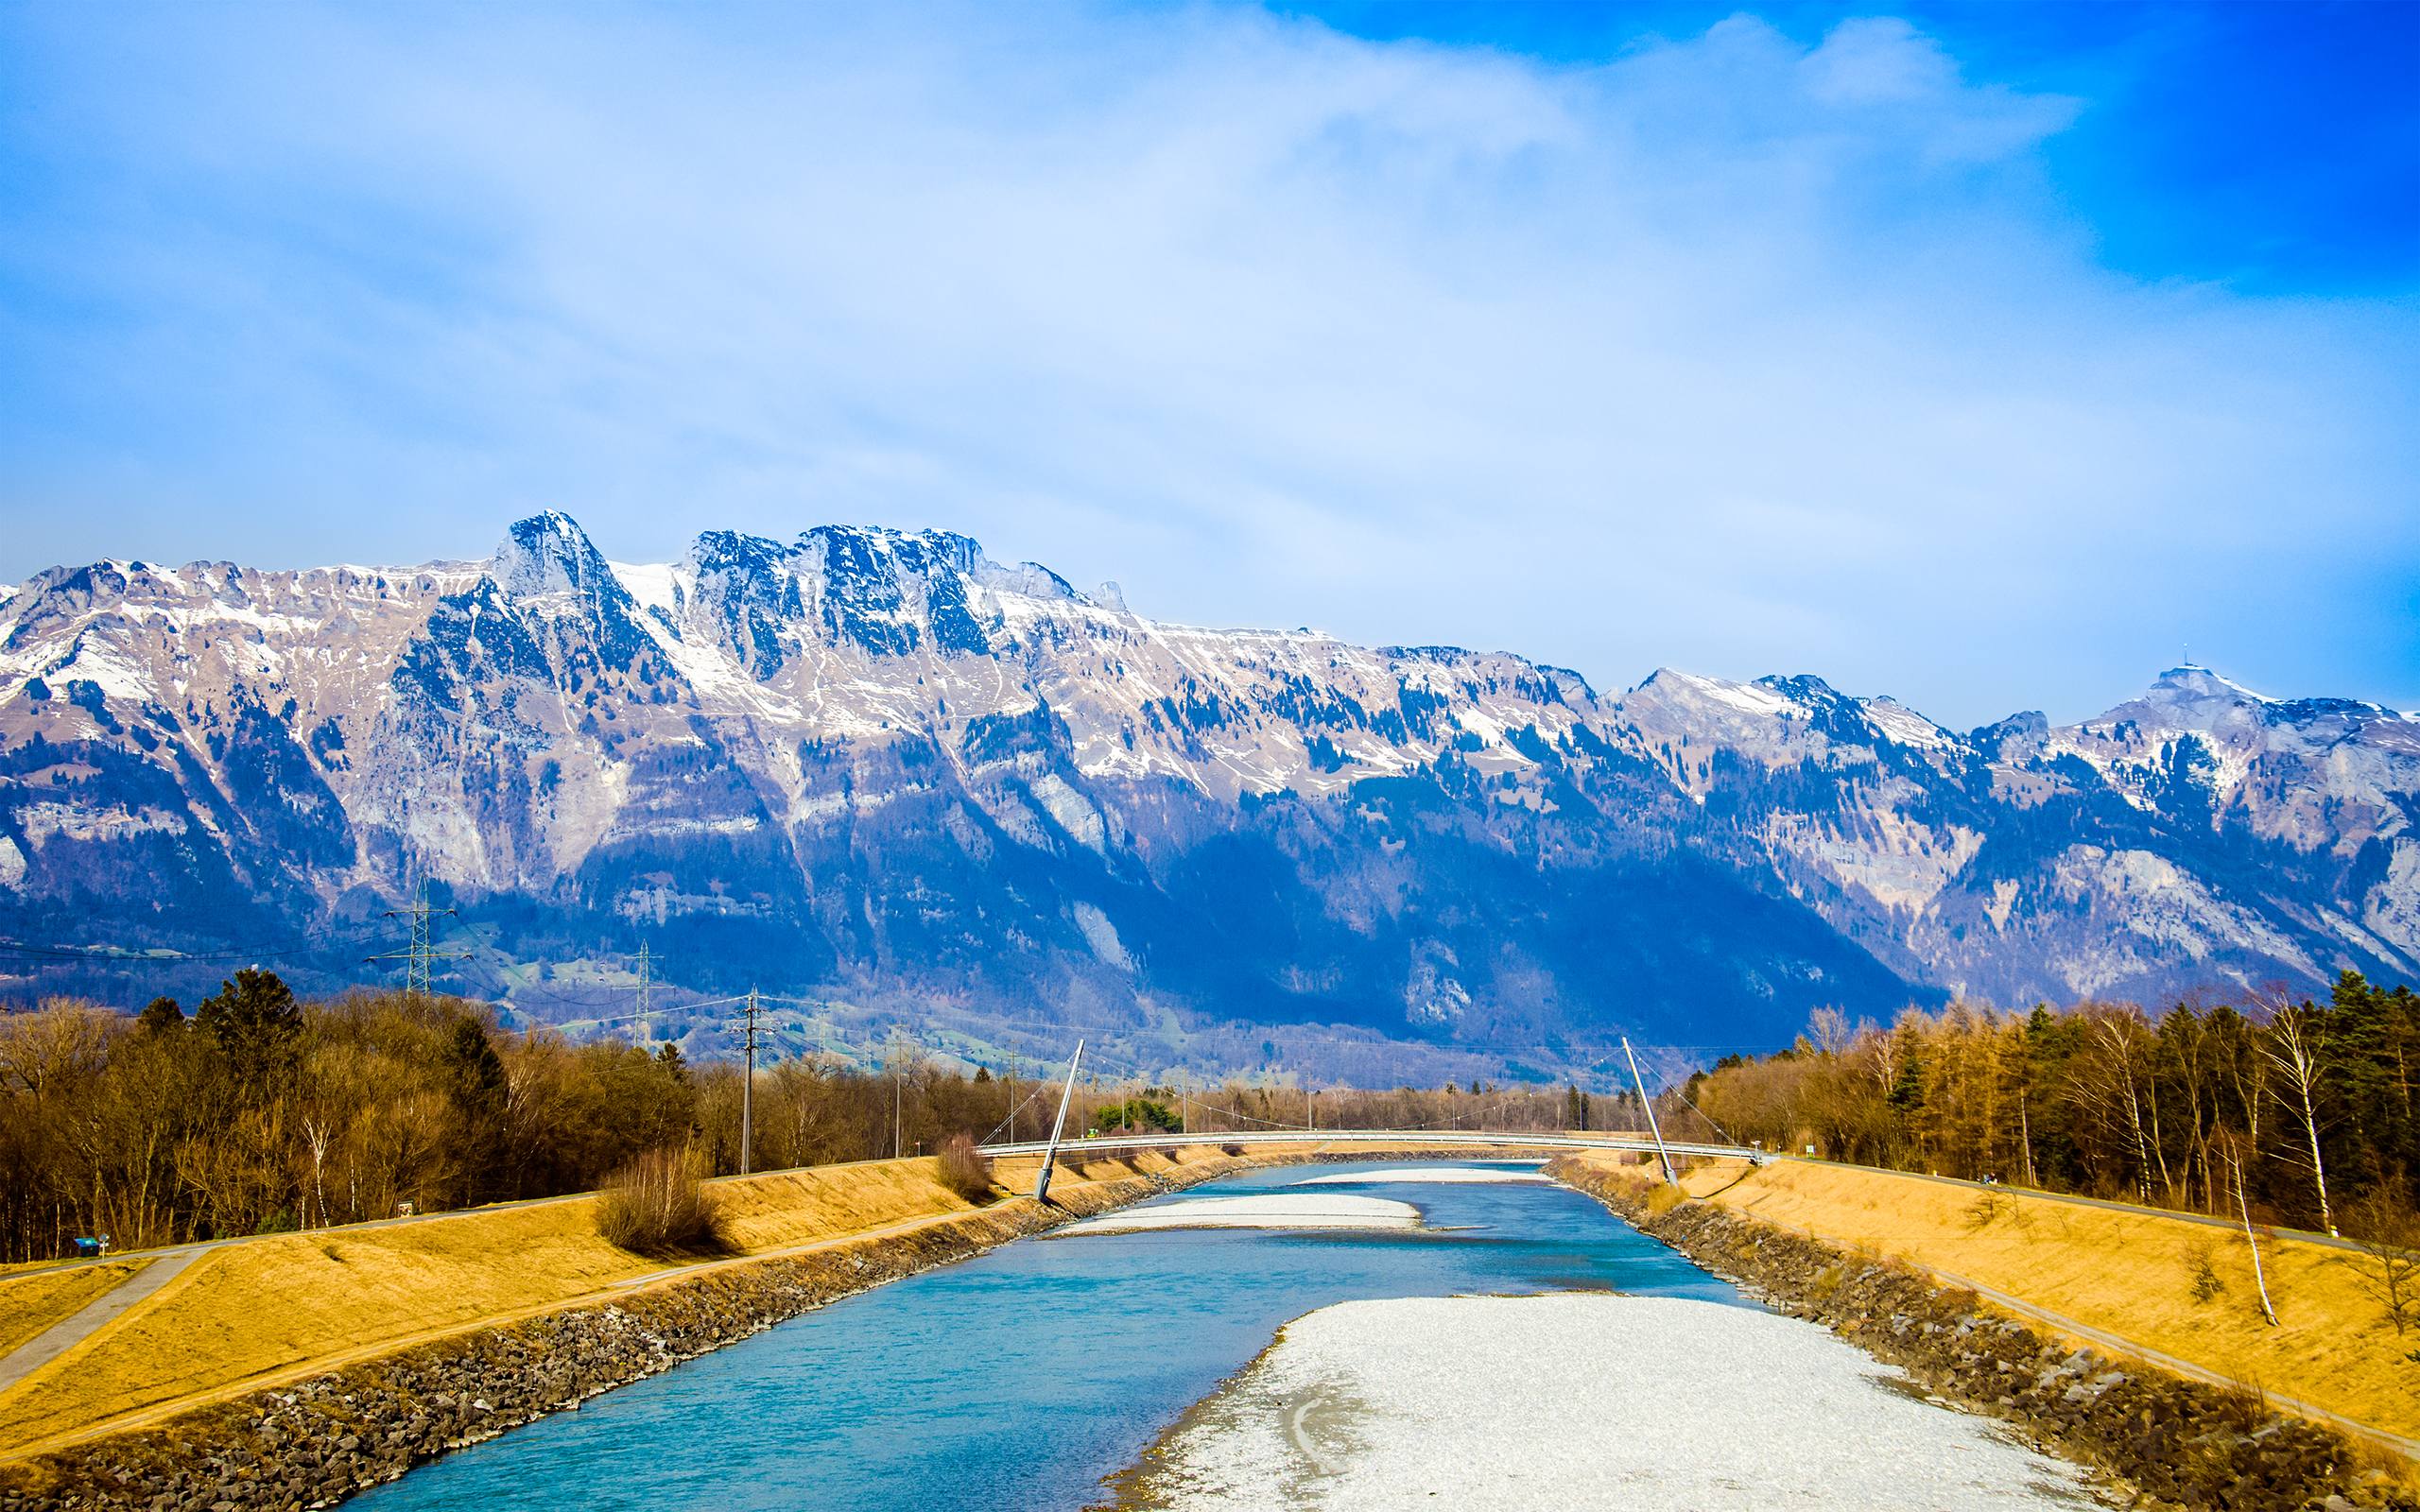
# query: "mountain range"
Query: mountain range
{"points": [[891, 779]]}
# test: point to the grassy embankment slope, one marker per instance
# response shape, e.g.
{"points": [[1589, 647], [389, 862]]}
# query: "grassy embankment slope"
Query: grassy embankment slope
{"points": [[32, 1300], [255, 1312], [2129, 1272]]}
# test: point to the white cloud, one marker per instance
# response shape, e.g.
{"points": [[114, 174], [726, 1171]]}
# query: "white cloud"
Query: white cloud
{"points": [[1729, 353]]}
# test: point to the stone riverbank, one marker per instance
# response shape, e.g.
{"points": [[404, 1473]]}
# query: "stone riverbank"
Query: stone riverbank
{"points": [[319, 1440], [2172, 1442]]}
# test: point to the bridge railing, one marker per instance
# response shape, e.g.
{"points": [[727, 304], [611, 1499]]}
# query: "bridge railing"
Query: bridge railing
{"points": [[1427, 1139]]}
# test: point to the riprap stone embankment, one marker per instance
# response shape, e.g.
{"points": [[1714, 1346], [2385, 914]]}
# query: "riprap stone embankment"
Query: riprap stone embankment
{"points": [[319, 1440], [2177, 1442]]}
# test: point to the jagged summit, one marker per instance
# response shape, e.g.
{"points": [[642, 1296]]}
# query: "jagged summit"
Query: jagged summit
{"points": [[875, 761], [549, 553]]}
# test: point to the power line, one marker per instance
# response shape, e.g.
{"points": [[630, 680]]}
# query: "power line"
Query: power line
{"points": [[678, 1007], [1602, 1051], [976, 1027], [1010, 1122], [337, 939]]}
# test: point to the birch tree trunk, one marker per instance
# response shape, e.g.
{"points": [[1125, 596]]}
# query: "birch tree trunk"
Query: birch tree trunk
{"points": [[2292, 1046]]}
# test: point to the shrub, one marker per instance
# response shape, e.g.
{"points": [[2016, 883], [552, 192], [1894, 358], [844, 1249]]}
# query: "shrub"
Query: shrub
{"points": [[1138, 1115], [965, 1170], [1231, 1149], [657, 1205], [1988, 1206]]}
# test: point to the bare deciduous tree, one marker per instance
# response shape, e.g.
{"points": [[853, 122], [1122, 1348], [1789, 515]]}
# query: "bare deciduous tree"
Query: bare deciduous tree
{"points": [[2388, 1233], [2293, 1046]]}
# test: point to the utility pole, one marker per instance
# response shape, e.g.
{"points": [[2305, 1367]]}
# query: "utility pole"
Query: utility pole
{"points": [[2025, 1132], [1051, 1152], [1012, 1097], [420, 952], [1661, 1153], [748, 1015]]}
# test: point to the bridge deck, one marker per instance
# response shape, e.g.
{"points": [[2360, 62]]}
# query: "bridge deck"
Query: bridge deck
{"points": [[1427, 1138]]}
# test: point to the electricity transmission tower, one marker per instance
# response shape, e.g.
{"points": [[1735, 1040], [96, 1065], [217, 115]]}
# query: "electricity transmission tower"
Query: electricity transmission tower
{"points": [[421, 950], [750, 1013], [645, 983]]}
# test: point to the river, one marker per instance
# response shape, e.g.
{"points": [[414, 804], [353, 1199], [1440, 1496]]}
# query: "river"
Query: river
{"points": [[1019, 1378]]}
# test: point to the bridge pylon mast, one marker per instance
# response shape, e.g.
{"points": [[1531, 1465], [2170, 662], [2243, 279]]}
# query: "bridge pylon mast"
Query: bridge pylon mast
{"points": [[1661, 1153], [1051, 1154]]}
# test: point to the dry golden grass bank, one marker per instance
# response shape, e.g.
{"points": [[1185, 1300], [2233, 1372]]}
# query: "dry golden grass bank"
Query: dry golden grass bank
{"points": [[265, 1308], [2142, 1276], [33, 1299]]}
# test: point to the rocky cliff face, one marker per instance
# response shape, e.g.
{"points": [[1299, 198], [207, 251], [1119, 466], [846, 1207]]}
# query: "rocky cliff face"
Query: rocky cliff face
{"points": [[878, 764]]}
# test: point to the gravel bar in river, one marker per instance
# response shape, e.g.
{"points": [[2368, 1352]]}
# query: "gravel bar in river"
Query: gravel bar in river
{"points": [[1581, 1399]]}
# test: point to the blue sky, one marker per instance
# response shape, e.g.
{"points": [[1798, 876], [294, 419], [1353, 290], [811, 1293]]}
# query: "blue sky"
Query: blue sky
{"points": [[1987, 355]]}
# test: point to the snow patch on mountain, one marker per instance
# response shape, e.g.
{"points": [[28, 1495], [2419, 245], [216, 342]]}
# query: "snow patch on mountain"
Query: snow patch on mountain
{"points": [[1904, 725], [2392, 909]]}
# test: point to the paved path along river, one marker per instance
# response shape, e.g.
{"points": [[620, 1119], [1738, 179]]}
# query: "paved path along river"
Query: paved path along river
{"points": [[69, 1331]]}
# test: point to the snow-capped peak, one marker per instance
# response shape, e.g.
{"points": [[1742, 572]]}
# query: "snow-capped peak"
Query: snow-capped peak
{"points": [[549, 553], [1903, 724], [2198, 682], [1758, 699]]}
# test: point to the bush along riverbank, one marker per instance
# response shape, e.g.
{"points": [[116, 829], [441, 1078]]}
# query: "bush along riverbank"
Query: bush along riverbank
{"points": [[319, 1440], [2170, 1442]]}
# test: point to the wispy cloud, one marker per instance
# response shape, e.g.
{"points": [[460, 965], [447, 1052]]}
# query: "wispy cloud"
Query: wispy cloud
{"points": [[1729, 351]]}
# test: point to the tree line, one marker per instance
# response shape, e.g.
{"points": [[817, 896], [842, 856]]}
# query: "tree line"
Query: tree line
{"points": [[2282, 1108], [260, 1112]]}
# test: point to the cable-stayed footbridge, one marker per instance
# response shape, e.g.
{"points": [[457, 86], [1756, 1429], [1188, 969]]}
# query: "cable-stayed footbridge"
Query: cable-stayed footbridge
{"points": [[1424, 1138], [1654, 1141]]}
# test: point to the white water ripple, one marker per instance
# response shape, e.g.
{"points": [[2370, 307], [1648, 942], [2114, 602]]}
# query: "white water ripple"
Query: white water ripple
{"points": [[1433, 1175], [1270, 1209]]}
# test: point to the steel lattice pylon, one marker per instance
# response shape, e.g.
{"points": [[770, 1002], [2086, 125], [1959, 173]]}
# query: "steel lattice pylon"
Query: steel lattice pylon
{"points": [[422, 951]]}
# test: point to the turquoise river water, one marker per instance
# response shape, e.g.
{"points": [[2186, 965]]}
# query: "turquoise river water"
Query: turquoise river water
{"points": [[1019, 1378]]}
